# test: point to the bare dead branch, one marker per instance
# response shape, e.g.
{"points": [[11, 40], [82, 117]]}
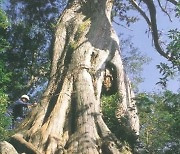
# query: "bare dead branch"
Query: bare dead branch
{"points": [[163, 10], [121, 25]]}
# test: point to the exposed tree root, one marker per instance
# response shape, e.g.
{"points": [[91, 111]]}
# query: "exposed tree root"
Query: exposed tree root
{"points": [[22, 145]]}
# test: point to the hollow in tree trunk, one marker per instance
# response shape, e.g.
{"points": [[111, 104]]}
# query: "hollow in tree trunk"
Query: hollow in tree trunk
{"points": [[68, 119]]}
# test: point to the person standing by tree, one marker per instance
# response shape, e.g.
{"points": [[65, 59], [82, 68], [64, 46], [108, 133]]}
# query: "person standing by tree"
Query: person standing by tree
{"points": [[19, 109]]}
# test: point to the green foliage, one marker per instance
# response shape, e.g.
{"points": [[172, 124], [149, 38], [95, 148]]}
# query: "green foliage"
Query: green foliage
{"points": [[159, 118], [4, 75], [30, 35], [172, 69], [3, 26], [4, 120], [177, 10], [4, 78], [109, 107], [121, 10]]}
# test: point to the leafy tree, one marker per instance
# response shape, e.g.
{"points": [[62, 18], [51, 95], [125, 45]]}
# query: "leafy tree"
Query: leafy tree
{"points": [[5, 77], [30, 35], [133, 61], [3, 26], [159, 118], [4, 120]]}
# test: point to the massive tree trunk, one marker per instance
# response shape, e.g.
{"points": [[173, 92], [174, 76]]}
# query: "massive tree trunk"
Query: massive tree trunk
{"points": [[68, 119]]}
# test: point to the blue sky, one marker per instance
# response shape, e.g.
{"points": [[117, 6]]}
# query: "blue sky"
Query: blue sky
{"points": [[150, 72]]}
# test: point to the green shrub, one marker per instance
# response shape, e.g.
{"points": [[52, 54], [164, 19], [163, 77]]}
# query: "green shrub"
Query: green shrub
{"points": [[4, 119]]}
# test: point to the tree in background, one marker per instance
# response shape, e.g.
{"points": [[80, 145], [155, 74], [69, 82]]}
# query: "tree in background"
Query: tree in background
{"points": [[31, 36], [5, 77], [159, 120], [159, 116], [133, 61]]}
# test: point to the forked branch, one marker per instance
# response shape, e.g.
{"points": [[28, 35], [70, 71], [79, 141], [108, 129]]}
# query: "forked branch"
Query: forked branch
{"points": [[164, 10]]}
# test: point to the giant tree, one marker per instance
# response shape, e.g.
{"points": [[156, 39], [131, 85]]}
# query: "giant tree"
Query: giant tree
{"points": [[68, 117], [86, 63]]}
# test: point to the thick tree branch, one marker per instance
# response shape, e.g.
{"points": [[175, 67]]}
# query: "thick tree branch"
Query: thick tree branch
{"points": [[152, 23], [152, 12], [153, 26]]}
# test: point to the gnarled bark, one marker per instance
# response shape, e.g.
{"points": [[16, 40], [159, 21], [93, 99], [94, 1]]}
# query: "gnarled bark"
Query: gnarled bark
{"points": [[68, 118]]}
